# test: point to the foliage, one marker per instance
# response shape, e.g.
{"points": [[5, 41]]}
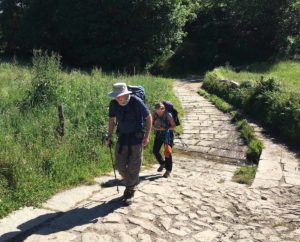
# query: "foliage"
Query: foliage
{"points": [[45, 82], [255, 146], [11, 12], [218, 102], [35, 161], [265, 99], [238, 32], [245, 175], [287, 73], [112, 34]]}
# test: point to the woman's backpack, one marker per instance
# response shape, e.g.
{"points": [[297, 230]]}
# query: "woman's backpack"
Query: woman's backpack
{"points": [[170, 108]]}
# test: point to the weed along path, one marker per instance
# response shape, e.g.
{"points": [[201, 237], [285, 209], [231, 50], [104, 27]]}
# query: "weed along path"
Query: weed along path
{"points": [[199, 202]]}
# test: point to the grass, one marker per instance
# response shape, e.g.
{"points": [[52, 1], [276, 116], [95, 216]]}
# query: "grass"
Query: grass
{"points": [[35, 162], [218, 102], [245, 175], [287, 72]]}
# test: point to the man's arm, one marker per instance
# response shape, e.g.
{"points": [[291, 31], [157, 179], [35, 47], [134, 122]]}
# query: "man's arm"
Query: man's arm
{"points": [[111, 126], [148, 129]]}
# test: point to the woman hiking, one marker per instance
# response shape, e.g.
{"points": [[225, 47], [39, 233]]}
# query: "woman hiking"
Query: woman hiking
{"points": [[163, 125]]}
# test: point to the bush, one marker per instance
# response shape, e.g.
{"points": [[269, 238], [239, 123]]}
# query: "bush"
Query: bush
{"points": [[212, 85], [45, 82]]}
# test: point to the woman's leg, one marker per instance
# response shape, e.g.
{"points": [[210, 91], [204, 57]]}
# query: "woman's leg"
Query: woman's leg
{"points": [[156, 150], [169, 160], [169, 163]]}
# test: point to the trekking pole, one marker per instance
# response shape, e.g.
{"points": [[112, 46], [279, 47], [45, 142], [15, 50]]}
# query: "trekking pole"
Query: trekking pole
{"points": [[113, 165]]}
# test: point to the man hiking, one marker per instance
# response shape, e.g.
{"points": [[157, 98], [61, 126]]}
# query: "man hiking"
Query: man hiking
{"points": [[134, 122]]}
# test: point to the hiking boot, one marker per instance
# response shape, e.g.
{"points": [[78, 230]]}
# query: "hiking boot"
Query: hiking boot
{"points": [[160, 168], [128, 201], [128, 195], [167, 174]]}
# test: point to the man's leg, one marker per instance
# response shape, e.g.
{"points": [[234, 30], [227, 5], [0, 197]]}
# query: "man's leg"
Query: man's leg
{"points": [[133, 171], [129, 167], [121, 160], [134, 165]]}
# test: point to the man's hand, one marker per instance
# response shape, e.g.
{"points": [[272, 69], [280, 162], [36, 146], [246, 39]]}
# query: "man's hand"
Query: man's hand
{"points": [[148, 129], [107, 140], [145, 140]]}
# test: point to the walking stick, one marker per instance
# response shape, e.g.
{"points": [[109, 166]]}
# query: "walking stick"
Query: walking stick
{"points": [[113, 165]]}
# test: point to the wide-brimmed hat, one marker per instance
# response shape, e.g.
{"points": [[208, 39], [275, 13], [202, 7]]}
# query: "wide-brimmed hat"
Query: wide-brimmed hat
{"points": [[119, 89]]}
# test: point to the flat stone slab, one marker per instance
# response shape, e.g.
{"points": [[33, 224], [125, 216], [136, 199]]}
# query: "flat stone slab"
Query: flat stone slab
{"points": [[64, 201], [22, 220], [277, 166]]}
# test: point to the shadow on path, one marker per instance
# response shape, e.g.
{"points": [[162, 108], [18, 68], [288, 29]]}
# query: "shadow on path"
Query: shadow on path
{"points": [[66, 220], [113, 182], [63, 221]]}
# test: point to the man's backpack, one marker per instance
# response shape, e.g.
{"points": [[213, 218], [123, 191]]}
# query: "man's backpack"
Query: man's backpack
{"points": [[138, 91], [170, 108]]}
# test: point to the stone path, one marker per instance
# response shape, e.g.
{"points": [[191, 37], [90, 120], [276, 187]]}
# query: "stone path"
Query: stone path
{"points": [[278, 166], [208, 132], [199, 202]]}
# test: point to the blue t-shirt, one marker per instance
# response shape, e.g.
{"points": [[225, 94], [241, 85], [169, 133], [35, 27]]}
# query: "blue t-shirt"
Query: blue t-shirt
{"points": [[130, 120]]}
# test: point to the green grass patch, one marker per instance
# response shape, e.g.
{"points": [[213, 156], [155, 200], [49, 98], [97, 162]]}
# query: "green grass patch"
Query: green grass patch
{"points": [[218, 102], [255, 146], [245, 175], [35, 162], [286, 72]]}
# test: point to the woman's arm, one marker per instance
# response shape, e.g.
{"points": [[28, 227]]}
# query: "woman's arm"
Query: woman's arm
{"points": [[171, 122]]}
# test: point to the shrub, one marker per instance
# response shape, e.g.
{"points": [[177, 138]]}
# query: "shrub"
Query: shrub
{"points": [[212, 85], [45, 82]]}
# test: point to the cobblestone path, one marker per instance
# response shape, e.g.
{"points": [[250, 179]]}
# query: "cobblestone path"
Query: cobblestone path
{"points": [[199, 202], [208, 132]]}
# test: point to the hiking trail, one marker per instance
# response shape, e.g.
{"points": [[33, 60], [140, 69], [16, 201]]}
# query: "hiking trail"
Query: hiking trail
{"points": [[199, 202]]}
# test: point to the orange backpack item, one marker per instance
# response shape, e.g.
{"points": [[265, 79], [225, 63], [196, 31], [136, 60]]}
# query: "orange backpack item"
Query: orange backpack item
{"points": [[168, 150]]}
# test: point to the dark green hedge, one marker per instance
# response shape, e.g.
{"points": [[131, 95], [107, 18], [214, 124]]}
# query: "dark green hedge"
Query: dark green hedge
{"points": [[265, 100]]}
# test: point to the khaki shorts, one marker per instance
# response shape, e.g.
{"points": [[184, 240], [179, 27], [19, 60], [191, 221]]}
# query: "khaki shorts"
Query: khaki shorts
{"points": [[129, 166]]}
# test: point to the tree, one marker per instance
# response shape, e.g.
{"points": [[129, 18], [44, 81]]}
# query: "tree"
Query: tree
{"points": [[238, 31], [108, 33], [11, 13]]}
